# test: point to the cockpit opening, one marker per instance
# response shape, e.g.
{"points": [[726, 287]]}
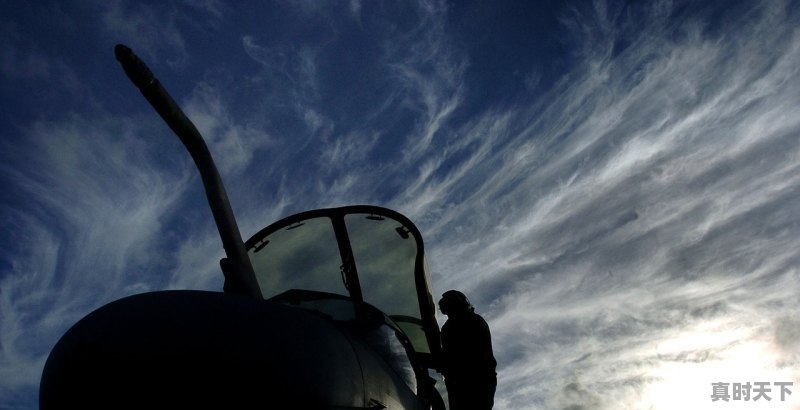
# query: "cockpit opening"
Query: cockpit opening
{"points": [[360, 252]]}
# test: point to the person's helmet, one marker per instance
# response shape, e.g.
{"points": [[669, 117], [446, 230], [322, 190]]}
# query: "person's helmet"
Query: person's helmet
{"points": [[454, 301]]}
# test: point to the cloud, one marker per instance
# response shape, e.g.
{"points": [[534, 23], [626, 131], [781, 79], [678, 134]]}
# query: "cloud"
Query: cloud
{"points": [[152, 29], [401, 85], [285, 63], [21, 293], [214, 8], [656, 180], [288, 91], [631, 222], [28, 65], [430, 74], [89, 205], [232, 139], [21, 59], [603, 227]]}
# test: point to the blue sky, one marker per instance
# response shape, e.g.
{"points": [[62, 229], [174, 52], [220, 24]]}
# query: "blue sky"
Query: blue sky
{"points": [[615, 185]]}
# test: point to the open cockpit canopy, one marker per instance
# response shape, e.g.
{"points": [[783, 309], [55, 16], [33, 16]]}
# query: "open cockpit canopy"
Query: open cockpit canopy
{"points": [[366, 253]]}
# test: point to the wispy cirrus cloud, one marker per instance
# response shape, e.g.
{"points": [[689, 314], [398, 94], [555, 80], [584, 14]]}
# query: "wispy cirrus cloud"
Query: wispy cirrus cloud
{"points": [[630, 224], [231, 138], [22, 60], [402, 93], [152, 28], [659, 181], [648, 193], [90, 200]]}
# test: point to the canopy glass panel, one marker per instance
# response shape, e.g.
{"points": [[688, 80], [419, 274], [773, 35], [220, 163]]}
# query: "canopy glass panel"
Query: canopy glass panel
{"points": [[370, 254]]}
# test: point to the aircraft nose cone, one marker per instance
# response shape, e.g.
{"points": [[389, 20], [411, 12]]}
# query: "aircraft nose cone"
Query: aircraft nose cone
{"points": [[192, 348]]}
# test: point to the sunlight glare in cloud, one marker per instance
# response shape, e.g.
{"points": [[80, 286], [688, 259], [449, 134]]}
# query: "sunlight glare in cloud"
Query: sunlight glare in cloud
{"points": [[712, 352]]}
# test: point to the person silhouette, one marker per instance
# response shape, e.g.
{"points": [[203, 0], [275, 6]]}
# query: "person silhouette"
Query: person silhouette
{"points": [[468, 363]]}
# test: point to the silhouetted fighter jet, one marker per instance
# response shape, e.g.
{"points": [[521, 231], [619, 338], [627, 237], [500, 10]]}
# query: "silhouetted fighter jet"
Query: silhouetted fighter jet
{"points": [[326, 309]]}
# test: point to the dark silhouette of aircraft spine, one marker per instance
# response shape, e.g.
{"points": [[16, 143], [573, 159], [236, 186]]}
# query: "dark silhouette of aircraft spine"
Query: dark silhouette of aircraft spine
{"points": [[326, 309]]}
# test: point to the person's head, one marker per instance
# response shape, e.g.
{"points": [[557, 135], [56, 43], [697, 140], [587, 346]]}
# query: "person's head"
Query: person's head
{"points": [[454, 302]]}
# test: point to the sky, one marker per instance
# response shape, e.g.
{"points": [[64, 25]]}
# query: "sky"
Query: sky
{"points": [[615, 185]]}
